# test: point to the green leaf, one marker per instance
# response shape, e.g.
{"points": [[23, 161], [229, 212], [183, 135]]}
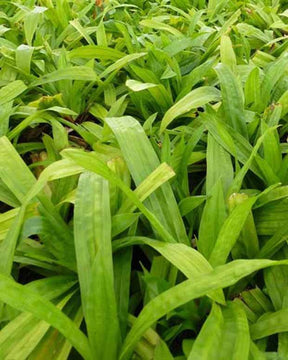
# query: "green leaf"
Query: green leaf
{"points": [[271, 147], [157, 25], [31, 22], [219, 166], [269, 324], [83, 73], [193, 100], [23, 57], [96, 52], [15, 174], [235, 341], [210, 225], [272, 76], [11, 91], [92, 227], [151, 183], [227, 239], [162, 352], [227, 53], [121, 63], [189, 204], [232, 95], [253, 87], [207, 342], [136, 86]]}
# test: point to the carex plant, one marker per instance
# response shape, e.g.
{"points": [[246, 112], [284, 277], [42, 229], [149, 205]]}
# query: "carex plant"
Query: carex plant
{"points": [[143, 180]]}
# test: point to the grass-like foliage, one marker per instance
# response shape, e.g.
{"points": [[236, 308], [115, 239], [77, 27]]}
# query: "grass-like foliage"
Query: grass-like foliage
{"points": [[143, 180]]}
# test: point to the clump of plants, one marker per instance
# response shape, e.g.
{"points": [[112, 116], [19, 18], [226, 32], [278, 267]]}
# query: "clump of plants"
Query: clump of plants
{"points": [[143, 180]]}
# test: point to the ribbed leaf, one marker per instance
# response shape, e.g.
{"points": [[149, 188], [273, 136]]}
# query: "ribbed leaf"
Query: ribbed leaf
{"points": [[92, 226], [207, 342], [11, 91], [232, 99], [193, 100], [269, 324], [227, 238], [83, 73]]}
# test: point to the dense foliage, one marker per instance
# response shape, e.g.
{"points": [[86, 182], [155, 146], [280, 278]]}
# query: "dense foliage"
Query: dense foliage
{"points": [[143, 179]]}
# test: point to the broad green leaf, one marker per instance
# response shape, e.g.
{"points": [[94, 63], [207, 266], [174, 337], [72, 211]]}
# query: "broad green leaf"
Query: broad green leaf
{"points": [[253, 87], [23, 57], [193, 100], [272, 76], [235, 341], [31, 22], [121, 63], [255, 353], [136, 86], [276, 283], [162, 352], [92, 227], [232, 95], [269, 324], [83, 73], [189, 204], [157, 25], [207, 342], [271, 147], [7, 196], [247, 245], [6, 111], [227, 238], [6, 220], [15, 174], [210, 225], [152, 182], [121, 222], [252, 31], [96, 51], [227, 53], [53, 345], [196, 75], [18, 178], [283, 101], [257, 301], [271, 217], [219, 166], [11, 91]]}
